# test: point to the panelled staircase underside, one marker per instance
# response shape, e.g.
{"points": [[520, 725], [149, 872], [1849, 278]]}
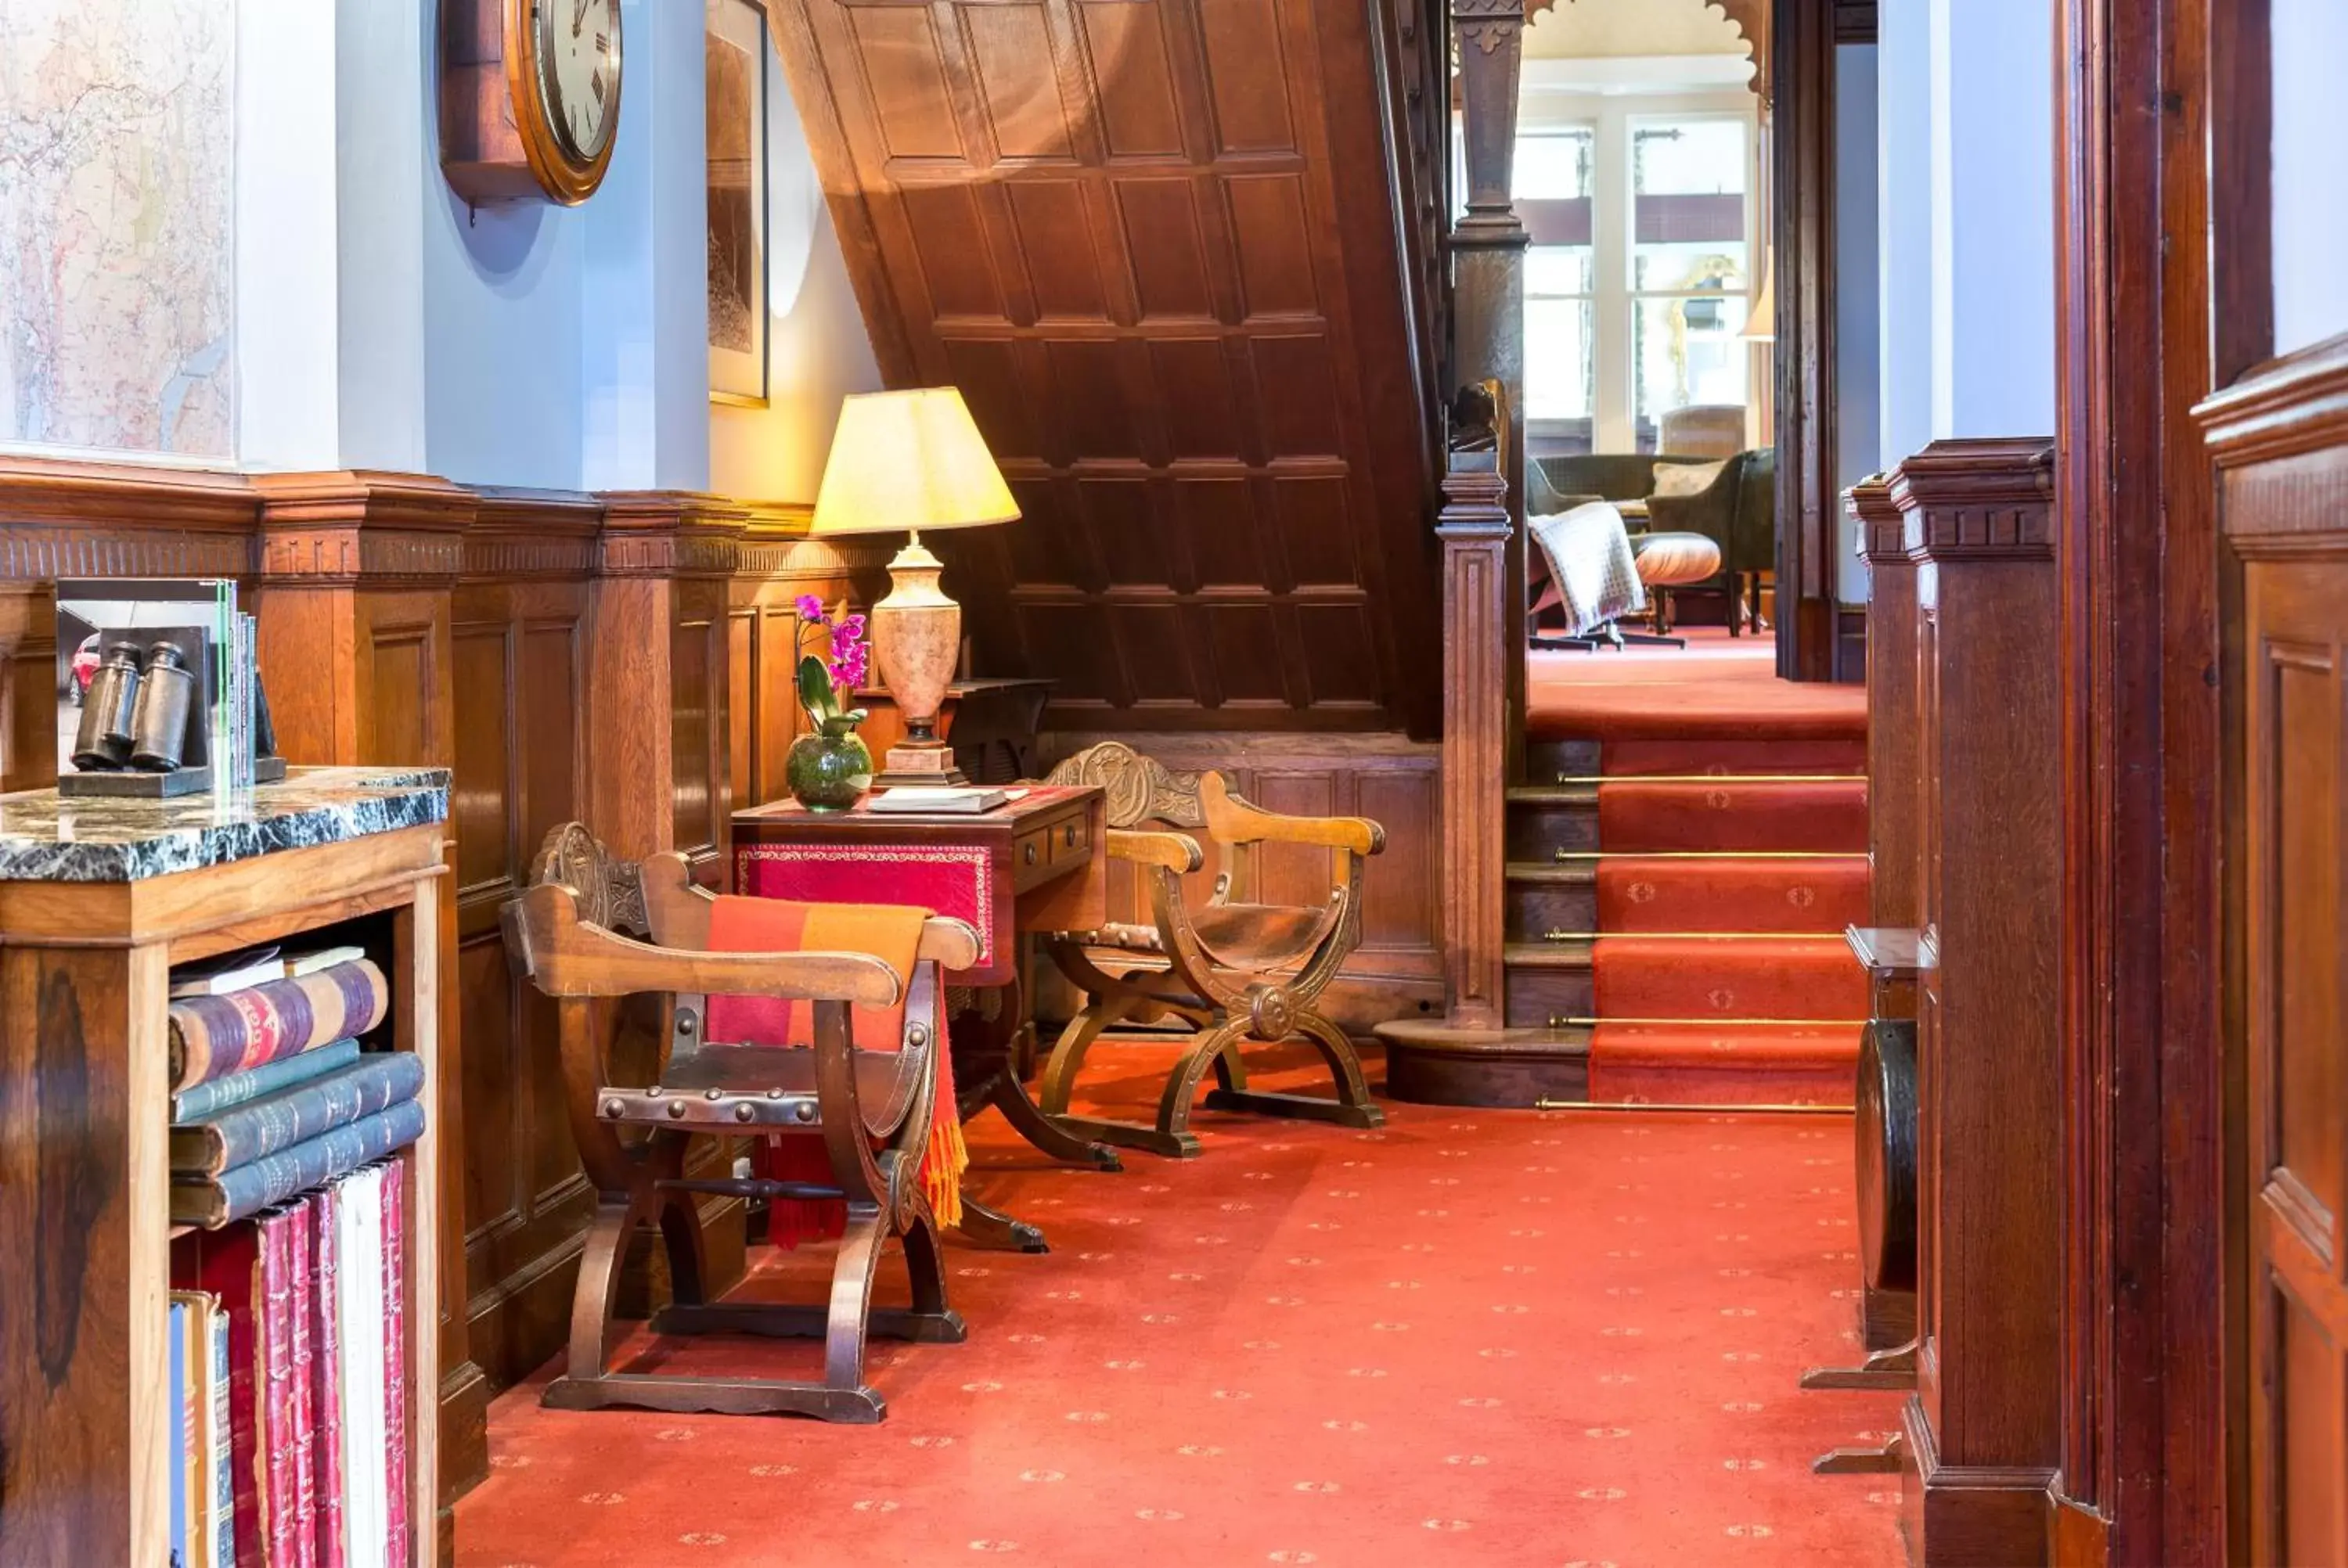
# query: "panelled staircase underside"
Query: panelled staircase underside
{"points": [[1181, 256]]}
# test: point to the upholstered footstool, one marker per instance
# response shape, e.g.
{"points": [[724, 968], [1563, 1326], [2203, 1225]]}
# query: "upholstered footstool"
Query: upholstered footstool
{"points": [[1666, 561]]}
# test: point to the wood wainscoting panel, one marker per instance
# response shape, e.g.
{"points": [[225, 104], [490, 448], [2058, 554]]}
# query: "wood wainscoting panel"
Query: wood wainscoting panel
{"points": [[521, 768], [1121, 230], [2279, 438]]}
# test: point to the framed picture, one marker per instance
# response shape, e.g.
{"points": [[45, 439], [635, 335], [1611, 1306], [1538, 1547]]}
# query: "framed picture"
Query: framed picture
{"points": [[736, 52]]}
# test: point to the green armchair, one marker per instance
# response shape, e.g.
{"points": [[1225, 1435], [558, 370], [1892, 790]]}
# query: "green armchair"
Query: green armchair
{"points": [[1753, 542]]}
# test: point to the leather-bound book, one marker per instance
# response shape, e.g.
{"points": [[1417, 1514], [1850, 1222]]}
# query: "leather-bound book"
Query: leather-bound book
{"points": [[259, 1127], [302, 1425], [218, 1200], [229, 1267], [326, 1371], [278, 1434], [395, 1361]]}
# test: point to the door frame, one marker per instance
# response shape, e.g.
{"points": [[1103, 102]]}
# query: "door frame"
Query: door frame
{"points": [[2149, 324], [1799, 118]]}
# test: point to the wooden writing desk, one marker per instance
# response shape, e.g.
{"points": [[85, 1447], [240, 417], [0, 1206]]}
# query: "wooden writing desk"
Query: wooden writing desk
{"points": [[1034, 865]]}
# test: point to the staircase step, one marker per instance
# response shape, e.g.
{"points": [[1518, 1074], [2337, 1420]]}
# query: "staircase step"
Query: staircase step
{"points": [[1724, 1064], [1633, 757], [1785, 894], [1549, 984], [1818, 816], [1546, 896], [1700, 977]]}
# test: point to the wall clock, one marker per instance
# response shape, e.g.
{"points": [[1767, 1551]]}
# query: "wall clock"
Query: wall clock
{"points": [[530, 97]]}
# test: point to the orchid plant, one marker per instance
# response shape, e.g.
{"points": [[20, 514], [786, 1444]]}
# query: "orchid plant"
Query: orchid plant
{"points": [[827, 681]]}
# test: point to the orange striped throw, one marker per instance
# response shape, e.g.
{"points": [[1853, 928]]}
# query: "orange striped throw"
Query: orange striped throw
{"points": [[889, 932]]}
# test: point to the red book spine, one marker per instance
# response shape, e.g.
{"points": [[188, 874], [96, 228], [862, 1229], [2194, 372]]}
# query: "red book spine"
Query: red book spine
{"points": [[395, 1362], [280, 1502], [326, 1373], [228, 1265], [301, 1426]]}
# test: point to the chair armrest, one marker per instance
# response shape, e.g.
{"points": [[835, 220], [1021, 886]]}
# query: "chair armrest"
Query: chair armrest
{"points": [[1177, 852], [1230, 820], [679, 912], [566, 956], [949, 943]]}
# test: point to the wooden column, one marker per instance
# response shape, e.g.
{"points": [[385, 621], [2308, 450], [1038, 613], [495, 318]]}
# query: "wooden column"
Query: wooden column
{"points": [[1481, 639], [353, 610], [1895, 854], [1982, 1431]]}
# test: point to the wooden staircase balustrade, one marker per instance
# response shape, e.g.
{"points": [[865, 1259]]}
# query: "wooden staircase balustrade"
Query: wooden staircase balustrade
{"points": [[1886, 1317], [1980, 1436]]}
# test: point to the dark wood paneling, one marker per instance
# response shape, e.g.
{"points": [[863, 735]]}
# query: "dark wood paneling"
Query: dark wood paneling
{"points": [[521, 760], [2140, 132], [2280, 441], [1121, 230], [1802, 186]]}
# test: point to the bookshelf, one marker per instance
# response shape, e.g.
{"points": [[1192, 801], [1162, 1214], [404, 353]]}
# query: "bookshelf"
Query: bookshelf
{"points": [[98, 899]]}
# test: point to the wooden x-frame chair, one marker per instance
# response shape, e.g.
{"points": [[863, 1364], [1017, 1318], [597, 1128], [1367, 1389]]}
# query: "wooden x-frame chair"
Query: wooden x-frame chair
{"points": [[1234, 973], [575, 933]]}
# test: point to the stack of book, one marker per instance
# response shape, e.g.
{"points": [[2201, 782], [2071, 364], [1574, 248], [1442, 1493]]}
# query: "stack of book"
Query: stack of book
{"points": [[271, 1094], [289, 1357]]}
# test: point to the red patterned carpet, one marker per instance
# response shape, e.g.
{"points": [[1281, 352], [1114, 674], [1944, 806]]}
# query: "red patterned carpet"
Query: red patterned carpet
{"points": [[1475, 1339]]}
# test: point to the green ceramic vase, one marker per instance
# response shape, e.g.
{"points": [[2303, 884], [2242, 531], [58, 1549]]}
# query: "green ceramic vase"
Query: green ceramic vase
{"points": [[827, 772]]}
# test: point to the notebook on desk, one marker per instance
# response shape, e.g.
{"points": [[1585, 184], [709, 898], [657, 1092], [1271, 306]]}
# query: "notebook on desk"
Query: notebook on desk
{"points": [[925, 799]]}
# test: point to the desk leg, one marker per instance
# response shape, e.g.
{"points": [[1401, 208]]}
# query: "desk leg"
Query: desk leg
{"points": [[991, 1049], [991, 1227]]}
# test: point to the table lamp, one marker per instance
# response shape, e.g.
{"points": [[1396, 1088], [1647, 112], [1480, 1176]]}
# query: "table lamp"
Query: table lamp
{"points": [[913, 461]]}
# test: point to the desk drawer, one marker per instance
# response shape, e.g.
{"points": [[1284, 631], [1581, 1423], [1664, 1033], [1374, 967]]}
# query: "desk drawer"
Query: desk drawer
{"points": [[1071, 840], [1031, 856]]}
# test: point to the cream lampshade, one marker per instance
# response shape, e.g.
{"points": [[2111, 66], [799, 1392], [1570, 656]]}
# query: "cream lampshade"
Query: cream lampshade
{"points": [[913, 461], [1761, 321]]}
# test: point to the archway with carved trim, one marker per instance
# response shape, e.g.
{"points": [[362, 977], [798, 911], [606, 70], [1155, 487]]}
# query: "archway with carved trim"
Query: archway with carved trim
{"points": [[1749, 17]]}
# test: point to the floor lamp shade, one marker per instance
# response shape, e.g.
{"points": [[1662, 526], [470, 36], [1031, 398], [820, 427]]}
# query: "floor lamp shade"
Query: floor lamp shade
{"points": [[913, 461]]}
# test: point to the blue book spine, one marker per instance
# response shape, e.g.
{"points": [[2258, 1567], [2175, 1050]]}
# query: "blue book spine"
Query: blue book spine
{"points": [[259, 1127], [216, 1201], [223, 1480], [206, 1099], [180, 1392]]}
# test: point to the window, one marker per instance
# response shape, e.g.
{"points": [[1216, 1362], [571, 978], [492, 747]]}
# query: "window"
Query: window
{"points": [[1688, 267], [1553, 198], [1637, 283]]}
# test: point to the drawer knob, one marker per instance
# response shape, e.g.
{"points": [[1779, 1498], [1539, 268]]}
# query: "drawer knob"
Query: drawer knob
{"points": [[1068, 835], [1030, 850]]}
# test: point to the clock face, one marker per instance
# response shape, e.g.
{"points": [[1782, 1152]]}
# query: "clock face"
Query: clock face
{"points": [[578, 72]]}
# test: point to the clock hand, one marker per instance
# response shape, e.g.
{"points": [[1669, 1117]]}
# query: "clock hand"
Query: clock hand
{"points": [[578, 16]]}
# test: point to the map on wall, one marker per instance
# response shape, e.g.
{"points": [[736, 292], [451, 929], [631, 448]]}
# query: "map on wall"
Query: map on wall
{"points": [[118, 198]]}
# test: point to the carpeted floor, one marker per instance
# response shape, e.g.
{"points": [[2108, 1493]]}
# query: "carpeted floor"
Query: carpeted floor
{"points": [[1732, 842], [1478, 1339]]}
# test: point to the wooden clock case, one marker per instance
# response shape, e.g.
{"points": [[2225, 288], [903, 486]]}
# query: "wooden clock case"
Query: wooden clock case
{"points": [[497, 142]]}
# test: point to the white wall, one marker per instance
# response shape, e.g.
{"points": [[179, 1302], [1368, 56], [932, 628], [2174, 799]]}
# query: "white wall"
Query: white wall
{"points": [[2311, 218], [1858, 299], [817, 351], [1904, 216], [384, 155], [1993, 189], [287, 92]]}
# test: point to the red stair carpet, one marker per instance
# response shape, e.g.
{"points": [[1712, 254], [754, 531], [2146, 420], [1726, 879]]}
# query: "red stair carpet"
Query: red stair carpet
{"points": [[1489, 1340], [1732, 842]]}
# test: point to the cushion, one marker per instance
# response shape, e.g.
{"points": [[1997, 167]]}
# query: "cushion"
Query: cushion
{"points": [[1686, 478], [1674, 560]]}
